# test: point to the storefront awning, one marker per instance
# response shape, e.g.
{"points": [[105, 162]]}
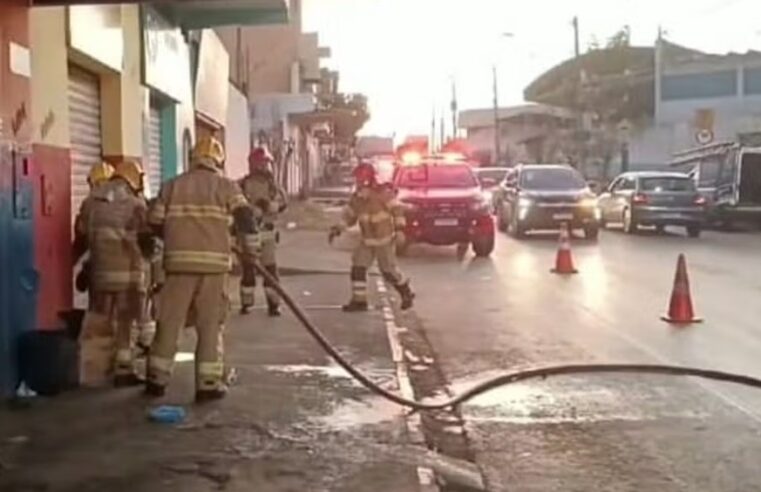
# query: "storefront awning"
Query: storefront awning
{"points": [[200, 14]]}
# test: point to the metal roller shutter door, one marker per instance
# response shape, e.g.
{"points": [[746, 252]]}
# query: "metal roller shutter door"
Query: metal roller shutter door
{"points": [[153, 164], [86, 139]]}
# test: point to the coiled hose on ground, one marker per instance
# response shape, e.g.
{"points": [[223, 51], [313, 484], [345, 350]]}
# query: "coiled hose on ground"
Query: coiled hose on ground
{"points": [[498, 381]]}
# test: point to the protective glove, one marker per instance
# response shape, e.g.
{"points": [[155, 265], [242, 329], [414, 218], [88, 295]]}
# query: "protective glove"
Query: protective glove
{"points": [[335, 231], [83, 278]]}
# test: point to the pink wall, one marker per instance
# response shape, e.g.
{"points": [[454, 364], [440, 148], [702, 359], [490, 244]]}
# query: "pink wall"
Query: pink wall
{"points": [[52, 218]]}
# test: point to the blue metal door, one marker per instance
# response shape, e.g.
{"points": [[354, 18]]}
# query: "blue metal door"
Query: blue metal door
{"points": [[19, 279]]}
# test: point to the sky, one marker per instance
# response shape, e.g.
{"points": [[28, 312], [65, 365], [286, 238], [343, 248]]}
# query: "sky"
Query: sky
{"points": [[405, 54]]}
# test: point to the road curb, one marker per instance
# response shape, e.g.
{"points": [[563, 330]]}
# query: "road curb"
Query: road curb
{"points": [[413, 423], [443, 431]]}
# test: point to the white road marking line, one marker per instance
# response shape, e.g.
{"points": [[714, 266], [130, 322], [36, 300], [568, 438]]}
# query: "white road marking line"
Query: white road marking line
{"points": [[414, 424]]}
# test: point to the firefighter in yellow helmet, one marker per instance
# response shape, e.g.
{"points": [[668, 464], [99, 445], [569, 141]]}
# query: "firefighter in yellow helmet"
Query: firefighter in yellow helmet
{"points": [[381, 222], [192, 216], [268, 200], [119, 240], [98, 175]]}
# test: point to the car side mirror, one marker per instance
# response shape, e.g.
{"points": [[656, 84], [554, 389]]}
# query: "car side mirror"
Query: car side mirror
{"points": [[594, 187]]}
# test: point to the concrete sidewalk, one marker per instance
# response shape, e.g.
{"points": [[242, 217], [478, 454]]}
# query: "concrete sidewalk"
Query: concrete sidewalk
{"points": [[293, 421]]}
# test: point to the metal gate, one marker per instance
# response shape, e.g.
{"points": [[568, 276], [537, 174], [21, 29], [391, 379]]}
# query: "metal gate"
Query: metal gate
{"points": [[86, 140], [153, 162]]}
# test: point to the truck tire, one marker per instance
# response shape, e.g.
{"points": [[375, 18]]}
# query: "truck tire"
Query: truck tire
{"points": [[483, 247]]}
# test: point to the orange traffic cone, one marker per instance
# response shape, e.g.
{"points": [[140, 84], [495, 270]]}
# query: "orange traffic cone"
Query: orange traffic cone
{"points": [[563, 260], [680, 307]]}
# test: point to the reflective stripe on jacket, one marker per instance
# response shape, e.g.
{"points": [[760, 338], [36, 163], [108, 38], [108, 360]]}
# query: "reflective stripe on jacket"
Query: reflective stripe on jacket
{"points": [[114, 216], [194, 211], [378, 213]]}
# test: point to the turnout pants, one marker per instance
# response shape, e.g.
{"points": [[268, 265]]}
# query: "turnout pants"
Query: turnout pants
{"points": [[121, 310], [363, 258], [268, 260], [206, 295]]}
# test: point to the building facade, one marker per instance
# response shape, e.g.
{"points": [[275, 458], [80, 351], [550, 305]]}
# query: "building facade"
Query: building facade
{"points": [[81, 84], [527, 133]]}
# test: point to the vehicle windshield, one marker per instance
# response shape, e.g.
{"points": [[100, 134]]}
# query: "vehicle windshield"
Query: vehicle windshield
{"points": [[437, 176], [495, 175], [667, 184], [554, 179]]}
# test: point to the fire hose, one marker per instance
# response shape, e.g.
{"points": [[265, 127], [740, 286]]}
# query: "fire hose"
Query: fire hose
{"points": [[502, 380]]}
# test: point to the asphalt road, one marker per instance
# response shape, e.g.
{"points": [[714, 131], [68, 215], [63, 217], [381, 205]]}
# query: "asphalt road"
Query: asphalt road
{"points": [[612, 433]]}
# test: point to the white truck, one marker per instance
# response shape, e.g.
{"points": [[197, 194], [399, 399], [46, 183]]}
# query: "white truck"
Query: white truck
{"points": [[728, 175]]}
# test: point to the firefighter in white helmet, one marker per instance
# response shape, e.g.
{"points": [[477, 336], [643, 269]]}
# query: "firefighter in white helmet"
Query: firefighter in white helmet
{"points": [[192, 215]]}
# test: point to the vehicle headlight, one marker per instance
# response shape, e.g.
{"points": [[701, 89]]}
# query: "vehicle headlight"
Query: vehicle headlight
{"points": [[488, 196], [410, 206], [481, 204], [588, 202], [525, 202]]}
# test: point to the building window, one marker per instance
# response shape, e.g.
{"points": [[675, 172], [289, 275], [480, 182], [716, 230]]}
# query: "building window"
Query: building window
{"points": [[752, 80], [699, 85]]}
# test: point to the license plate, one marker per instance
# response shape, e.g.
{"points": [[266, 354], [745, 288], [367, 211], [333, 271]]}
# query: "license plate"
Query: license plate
{"points": [[562, 216], [446, 222]]}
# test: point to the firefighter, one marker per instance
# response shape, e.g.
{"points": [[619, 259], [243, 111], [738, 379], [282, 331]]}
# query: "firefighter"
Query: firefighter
{"points": [[381, 223], [115, 223], [98, 175], [192, 216], [268, 200]]}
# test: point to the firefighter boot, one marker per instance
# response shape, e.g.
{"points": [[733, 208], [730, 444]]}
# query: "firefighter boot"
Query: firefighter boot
{"points": [[154, 390], [207, 395], [358, 302], [408, 297], [355, 306]]}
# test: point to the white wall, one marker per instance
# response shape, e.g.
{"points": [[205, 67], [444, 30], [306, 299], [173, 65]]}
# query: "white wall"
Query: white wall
{"points": [[237, 134]]}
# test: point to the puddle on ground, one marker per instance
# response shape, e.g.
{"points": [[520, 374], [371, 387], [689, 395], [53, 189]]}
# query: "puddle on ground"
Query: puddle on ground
{"points": [[570, 400], [330, 371], [350, 415]]}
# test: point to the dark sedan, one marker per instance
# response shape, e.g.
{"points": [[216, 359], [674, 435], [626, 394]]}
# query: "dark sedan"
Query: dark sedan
{"points": [[657, 199], [545, 196]]}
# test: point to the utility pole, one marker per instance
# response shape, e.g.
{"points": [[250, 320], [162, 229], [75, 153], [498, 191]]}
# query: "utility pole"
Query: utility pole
{"points": [[575, 24], [432, 143], [577, 98], [442, 130], [496, 116], [454, 109]]}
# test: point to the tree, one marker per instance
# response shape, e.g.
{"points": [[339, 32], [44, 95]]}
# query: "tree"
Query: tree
{"points": [[594, 44], [621, 39]]}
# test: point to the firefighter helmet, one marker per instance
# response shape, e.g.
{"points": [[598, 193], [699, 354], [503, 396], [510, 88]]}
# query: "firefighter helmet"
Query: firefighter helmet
{"points": [[259, 159], [100, 173], [209, 149], [131, 172], [364, 174]]}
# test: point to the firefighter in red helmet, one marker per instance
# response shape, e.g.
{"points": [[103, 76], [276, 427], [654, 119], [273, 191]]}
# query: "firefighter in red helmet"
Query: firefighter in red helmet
{"points": [[381, 222], [268, 200]]}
